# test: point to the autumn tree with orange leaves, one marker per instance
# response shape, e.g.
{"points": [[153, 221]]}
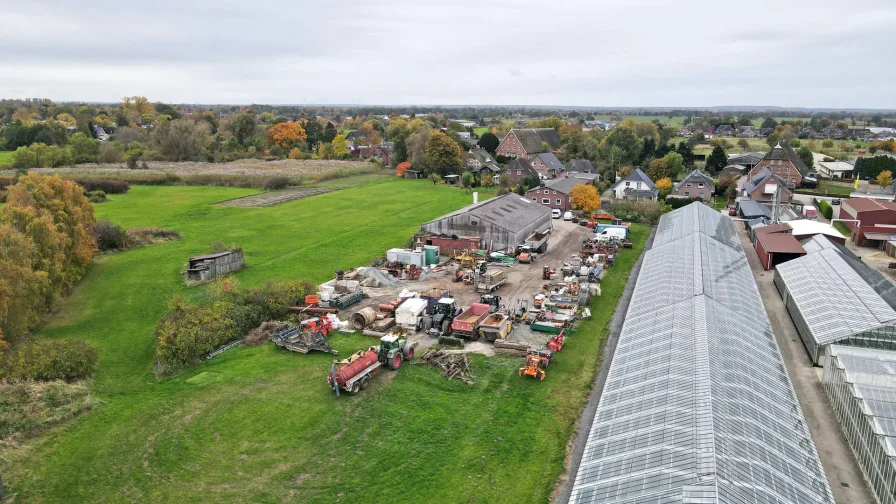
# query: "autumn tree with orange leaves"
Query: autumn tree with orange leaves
{"points": [[286, 134], [584, 197], [401, 168]]}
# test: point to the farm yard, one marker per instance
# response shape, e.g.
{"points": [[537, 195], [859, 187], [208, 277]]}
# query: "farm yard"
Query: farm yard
{"points": [[258, 424]]}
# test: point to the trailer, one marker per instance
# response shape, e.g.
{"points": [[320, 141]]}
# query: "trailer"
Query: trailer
{"points": [[432, 297], [537, 242], [353, 374], [409, 314], [495, 326], [487, 280], [466, 325]]}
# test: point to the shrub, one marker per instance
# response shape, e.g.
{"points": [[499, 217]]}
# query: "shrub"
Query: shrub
{"points": [[828, 159], [109, 236], [274, 183], [96, 196], [646, 212], [108, 186], [49, 360], [680, 202], [132, 163], [825, 208], [28, 408], [138, 237], [3, 195]]}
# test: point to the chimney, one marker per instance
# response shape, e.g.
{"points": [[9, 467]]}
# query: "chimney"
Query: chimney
{"points": [[475, 197]]}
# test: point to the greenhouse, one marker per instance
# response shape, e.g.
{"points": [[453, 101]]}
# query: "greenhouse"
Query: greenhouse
{"points": [[861, 385], [698, 406], [830, 302]]}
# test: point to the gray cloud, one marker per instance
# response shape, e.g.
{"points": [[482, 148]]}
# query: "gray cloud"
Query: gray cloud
{"points": [[592, 53]]}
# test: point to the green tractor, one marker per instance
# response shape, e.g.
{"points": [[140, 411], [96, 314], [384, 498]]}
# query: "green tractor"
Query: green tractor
{"points": [[440, 322], [393, 350]]}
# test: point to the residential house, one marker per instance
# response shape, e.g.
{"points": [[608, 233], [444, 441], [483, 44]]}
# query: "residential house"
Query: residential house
{"points": [[580, 166], [463, 135], [809, 132], [724, 130], [477, 158], [380, 152], [520, 123], [518, 169], [783, 162], [747, 132], [101, 133], [764, 132], [490, 170], [763, 185], [876, 221], [694, 185], [637, 185], [556, 193], [547, 165], [526, 143], [836, 169]]}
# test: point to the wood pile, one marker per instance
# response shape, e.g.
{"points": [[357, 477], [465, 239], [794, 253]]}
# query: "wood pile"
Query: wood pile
{"points": [[510, 347], [453, 364]]}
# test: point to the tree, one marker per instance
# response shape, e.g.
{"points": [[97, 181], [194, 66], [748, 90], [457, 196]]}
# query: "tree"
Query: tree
{"points": [[743, 144], [687, 155], [84, 148], [884, 179], [827, 144], [584, 197], [434, 178], [181, 139], [286, 134], [769, 122], [314, 132], [552, 122], [340, 146], [266, 117], [628, 143], [674, 163], [664, 186], [467, 180], [329, 133], [658, 169], [442, 154], [401, 168], [489, 141], [243, 127], [717, 160], [805, 154]]}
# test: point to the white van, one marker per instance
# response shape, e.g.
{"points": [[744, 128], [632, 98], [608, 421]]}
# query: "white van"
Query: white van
{"points": [[567, 216], [610, 234], [555, 213]]}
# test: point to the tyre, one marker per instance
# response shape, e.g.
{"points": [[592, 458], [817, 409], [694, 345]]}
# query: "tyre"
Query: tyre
{"points": [[395, 362], [427, 324], [356, 387], [365, 382], [446, 328], [408, 352]]}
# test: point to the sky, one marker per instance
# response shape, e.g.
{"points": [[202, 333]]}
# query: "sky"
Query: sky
{"points": [[593, 53]]}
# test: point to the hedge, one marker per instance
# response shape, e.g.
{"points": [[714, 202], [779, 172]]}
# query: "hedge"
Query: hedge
{"points": [[49, 360], [825, 208], [108, 186]]}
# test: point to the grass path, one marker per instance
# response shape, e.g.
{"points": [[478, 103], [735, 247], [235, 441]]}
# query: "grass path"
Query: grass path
{"points": [[259, 425]]}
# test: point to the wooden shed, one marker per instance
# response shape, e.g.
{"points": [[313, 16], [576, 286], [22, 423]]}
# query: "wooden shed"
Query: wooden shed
{"points": [[206, 267]]}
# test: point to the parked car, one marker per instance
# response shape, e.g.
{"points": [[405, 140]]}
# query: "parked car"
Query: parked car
{"points": [[732, 211], [835, 201], [555, 213], [811, 177], [567, 216]]}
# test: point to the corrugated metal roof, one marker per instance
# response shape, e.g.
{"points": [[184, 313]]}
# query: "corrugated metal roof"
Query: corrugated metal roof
{"points": [[698, 406], [510, 211]]}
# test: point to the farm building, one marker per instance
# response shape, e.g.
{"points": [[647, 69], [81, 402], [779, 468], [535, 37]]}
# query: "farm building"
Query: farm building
{"points": [[776, 248], [877, 221], [861, 386], [697, 406], [831, 301], [206, 267], [501, 223]]}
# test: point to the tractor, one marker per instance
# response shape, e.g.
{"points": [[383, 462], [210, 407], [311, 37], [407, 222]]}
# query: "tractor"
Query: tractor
{"points": [[526, 255], [393, 350], [547, 272], [443, 315], [492, 300], [536, 362]]}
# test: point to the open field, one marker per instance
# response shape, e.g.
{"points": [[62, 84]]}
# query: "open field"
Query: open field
{"points": [[6, 157], [260, 425]]}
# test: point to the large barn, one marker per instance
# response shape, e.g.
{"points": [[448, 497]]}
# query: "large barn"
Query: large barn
{"points": [[501, 223]]}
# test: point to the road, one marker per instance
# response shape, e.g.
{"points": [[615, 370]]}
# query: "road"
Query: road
{"points": [[843, 473]]}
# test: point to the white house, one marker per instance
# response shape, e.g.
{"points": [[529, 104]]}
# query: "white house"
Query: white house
{"points": [[836, 169], [637, 185]]}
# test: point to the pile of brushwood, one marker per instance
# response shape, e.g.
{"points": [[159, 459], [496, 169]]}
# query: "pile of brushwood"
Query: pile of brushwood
{"points": [[453, 364]]}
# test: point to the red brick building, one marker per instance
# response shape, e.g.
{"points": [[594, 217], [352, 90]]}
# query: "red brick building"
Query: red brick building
{"points": [[518, 169], [877, 220], [774, 245], [556, 194], [783, 162], [763, 185], [526, 143]]}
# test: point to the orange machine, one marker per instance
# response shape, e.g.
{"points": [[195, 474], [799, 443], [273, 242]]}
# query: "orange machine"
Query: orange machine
{"points": [[536, 362]]}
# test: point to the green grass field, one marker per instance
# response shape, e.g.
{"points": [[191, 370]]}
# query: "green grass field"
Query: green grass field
{"points": [[6, 157], [260, 425]]}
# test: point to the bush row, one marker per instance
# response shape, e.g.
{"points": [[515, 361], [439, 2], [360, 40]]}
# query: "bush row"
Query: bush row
{"points": [[825, 208], [108, 186], [49, 360], [188, 332]]}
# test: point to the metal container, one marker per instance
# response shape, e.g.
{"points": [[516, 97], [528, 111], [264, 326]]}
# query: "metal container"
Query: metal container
{"points": [[363, 318], [348, 371], [431, 254]]}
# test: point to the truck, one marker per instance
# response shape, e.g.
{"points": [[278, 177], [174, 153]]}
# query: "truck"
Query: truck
{"points": [[601, 227], [810, 212], [432, 297], [538, 242], [353, 374], [611, 234], [411, 313], [495, 326], [487, 280], [439, 324], [466, 325]]}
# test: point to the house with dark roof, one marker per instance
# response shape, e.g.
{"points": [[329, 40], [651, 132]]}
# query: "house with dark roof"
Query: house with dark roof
{"points": [[764, 132], [784, 163], [518, 169], [477, 158], [547, 164], [747, 132], [694, 185], [580, 166], [637, 185], [556, 193], [526, 143], [724, 130], [761, 187], [734, 171], [380, 152]]}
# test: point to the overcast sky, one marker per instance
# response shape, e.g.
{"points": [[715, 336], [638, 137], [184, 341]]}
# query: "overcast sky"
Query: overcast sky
{"points": [[797, 53]]}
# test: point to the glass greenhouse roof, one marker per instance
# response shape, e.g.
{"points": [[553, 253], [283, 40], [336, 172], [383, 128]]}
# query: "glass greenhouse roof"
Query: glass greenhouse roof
{"points": [[698, 406], [833, 299]]}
